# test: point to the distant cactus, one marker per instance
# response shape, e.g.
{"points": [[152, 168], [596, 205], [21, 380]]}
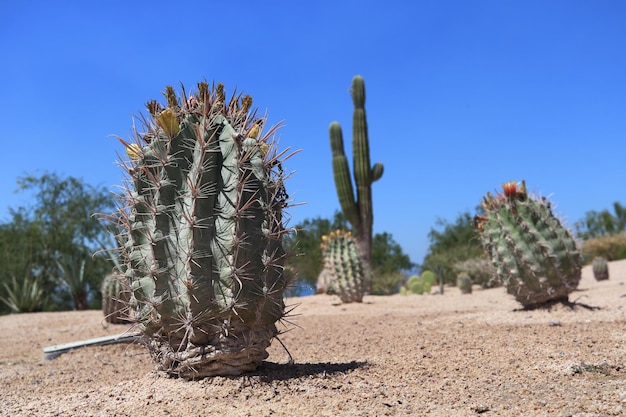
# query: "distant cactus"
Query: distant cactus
{"points": [[464, 282], [428, 278], [534, 255], [115, 298], [357, 209], [344, 271], [202, 228], [600, 268], [415, 285]]}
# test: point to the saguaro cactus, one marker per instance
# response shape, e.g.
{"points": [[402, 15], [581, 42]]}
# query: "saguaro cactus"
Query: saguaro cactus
{"points": [[201, 229], [534, 255], [358, 210]]}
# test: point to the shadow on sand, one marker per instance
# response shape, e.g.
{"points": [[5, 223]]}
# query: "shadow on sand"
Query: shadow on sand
{"points": [[270, 371], [564, 302]]}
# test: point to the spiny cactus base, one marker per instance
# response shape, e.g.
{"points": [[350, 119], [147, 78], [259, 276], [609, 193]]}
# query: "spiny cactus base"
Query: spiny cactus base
{"points": [[201, 231], [534, 255]]}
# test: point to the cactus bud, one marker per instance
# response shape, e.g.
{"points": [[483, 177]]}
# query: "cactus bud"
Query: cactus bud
{"points": [[169, 122], [133, 150]]}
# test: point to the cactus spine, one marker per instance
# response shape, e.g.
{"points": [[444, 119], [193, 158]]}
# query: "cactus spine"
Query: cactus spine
{"points": [[343, 266], [202, 228], [600, 268], [358, 210], [534, 255]]}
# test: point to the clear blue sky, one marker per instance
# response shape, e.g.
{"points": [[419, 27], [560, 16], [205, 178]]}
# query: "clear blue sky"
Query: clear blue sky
{"points": [[461, 95]]}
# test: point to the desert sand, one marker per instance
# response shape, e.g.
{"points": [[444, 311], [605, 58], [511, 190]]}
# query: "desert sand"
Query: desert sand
{"points": [[431, 355]]}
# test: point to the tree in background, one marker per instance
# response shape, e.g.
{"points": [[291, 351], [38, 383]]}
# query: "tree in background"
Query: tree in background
{"points": [[56, 237], [596, 224], [387, 262], [451, 244]]}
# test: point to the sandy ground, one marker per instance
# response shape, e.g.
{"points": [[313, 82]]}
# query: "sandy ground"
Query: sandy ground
{"points": [[433, 355]]}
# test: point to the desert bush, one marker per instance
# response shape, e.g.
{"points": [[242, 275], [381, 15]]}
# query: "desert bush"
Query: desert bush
{"points": [[480, 270], [387, 283], [610, 247]]}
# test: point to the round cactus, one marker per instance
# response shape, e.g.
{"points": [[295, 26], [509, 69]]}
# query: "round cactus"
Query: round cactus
{"points": [[600, 268], [201, 226], [534, 255], [344, 270], [464, 282], [416, 285]]}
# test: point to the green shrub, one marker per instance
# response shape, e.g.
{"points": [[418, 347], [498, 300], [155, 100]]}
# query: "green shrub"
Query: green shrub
{"points": [[24, 296], [610, 247], [480, 270]]}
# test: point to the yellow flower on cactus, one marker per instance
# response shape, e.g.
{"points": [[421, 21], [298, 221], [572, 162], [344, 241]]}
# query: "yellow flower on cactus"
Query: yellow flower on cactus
{"points": [[133, 150], [264, 148], [169, 122], [254, 131]]}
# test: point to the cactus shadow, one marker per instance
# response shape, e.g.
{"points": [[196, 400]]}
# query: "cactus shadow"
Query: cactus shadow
{"points": [[270, 371], [560, 303]]}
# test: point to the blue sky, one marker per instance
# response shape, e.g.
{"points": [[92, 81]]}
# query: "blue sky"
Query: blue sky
{"points": [[461, 95]]}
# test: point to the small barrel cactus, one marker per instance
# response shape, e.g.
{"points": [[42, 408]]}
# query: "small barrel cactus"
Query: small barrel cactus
{"points": [[201, 226], [115, 298], [464, 282], [534, 255], [428, 278], [415, 285], [343, 265], [600, 268]]}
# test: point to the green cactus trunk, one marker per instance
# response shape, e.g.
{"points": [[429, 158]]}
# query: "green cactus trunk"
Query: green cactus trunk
{"points": [[203, 230], [534, 255], [358, 211]]}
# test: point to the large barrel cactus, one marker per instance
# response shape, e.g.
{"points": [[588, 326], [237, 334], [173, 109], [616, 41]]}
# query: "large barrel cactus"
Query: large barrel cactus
{"points": [[202, 230], [343, 266], [534, 255]]}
